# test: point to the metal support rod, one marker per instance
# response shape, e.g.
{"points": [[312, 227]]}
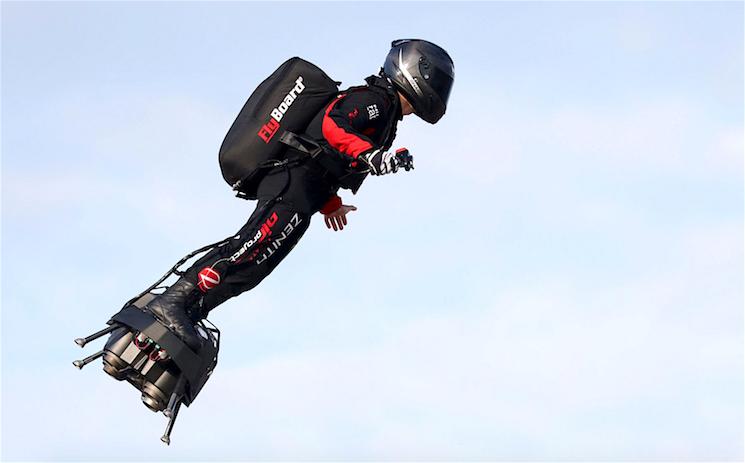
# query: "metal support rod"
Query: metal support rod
{"points": [[83, 341], [176, 396], [169, 427], [81, 363]]}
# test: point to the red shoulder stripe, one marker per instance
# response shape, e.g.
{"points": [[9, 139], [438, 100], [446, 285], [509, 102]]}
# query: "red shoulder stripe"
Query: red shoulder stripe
{"points": [[340, 139]]}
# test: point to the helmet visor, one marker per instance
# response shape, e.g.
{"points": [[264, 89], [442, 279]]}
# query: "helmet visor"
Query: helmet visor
{"points": [[439, 81]]}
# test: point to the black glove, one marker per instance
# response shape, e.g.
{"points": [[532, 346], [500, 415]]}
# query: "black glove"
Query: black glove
{"points": [[381, 163]]}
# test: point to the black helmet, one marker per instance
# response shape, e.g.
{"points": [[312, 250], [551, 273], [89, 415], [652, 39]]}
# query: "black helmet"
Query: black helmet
{"points": [[424, 73]]}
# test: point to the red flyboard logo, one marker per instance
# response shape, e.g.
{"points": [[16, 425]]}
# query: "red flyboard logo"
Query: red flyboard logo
{"points": [[208, 279], [267, 131]]}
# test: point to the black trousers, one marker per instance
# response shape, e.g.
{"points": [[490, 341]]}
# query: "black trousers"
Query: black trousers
{"points": [[287, 198]]}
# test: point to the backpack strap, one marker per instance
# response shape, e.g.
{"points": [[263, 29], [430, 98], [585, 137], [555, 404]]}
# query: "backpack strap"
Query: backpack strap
{"points": [[310, 148]]}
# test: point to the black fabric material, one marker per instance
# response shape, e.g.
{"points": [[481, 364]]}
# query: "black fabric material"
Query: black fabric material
{"points": [[287, 200], [379, 130], [169, 308], [304, 147], [288, 196], [287, 100]]}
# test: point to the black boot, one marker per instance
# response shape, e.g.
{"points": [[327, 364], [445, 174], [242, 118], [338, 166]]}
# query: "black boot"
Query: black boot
{"points": [[170, 309]]}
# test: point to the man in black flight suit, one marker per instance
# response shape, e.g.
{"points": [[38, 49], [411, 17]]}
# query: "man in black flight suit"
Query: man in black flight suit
{"points": [[355, 130]]}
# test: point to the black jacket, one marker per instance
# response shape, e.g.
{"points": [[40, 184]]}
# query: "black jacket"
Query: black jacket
{"points": [[360, 120]]}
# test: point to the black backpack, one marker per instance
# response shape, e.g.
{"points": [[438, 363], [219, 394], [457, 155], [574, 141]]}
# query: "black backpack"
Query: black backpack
{"points": [[286, 101]]}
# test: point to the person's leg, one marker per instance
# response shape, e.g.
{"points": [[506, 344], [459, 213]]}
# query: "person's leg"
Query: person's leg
{"points": [[241, 267], [170, 308], [287, 201]]}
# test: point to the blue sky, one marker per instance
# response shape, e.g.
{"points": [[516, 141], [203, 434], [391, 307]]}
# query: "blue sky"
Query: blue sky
{"points": [[561, 277]]}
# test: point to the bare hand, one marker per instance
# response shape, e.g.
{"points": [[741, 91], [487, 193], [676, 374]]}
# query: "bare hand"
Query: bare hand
{"points": [[338, 218]]}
